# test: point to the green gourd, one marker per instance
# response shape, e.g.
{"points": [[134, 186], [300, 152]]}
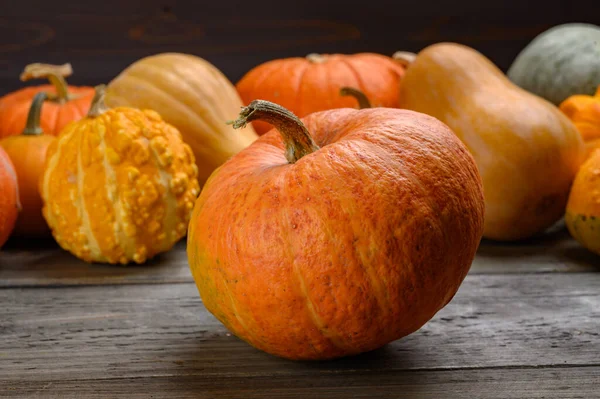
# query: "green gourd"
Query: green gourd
{"points": [[560, 62]]}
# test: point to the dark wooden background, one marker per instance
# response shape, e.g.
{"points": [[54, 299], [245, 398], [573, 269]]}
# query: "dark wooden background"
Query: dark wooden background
{"points": [[100, 38]]}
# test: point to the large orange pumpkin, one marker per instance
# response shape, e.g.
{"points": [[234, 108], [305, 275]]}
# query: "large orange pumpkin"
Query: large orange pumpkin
{"points": [[311, 84], [9, 197], [336, 234], [27, 152], [66, 103]]}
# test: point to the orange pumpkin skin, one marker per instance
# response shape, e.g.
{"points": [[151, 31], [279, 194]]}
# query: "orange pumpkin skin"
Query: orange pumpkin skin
{"points": [[28, 155], [9, 197], [351, 247], [27, 152], [55, 115], [582, 215], [584, 111], [311, 84]]}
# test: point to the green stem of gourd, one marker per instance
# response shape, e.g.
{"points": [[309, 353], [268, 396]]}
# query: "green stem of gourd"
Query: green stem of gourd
{"points": [[316, 58], [55, 74], [298, 141], [98, 106], [32, 127], [363, 101], [405, 58]]}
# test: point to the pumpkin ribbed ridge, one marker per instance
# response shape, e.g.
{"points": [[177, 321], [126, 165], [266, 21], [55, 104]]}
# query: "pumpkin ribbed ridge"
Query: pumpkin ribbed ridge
{"points": [[55, 116], [127, 244], [330, 335], [85, 228], [307, 85], [170, 219]]}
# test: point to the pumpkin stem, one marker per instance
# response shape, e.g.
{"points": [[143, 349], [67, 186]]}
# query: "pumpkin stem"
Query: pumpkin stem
{"points": [[404, 58], [32, 126], [98, 106], [363, 100], [316, 58], [298, 141], [55, 74]]}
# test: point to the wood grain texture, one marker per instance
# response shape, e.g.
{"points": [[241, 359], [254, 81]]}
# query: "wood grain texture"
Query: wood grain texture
{"points": [[563, 383], [46, 264], [49, 266], [107, 332]]}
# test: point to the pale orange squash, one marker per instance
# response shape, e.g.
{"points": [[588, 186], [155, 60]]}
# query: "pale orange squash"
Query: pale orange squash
{"points": [[527, 151], [119, 185], [190, 94]]}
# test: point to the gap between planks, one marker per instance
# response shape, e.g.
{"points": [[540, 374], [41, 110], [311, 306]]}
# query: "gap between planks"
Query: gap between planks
{"points": [[50, 266]]}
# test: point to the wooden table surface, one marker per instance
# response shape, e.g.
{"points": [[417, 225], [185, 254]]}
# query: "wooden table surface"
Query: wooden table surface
{"points": [[524, 324]]}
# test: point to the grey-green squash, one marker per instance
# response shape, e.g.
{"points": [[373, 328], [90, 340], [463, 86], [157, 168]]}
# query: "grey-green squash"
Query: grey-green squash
{"points": [[560, 62]]}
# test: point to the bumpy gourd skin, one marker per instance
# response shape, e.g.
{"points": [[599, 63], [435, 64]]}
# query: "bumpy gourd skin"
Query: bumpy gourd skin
{"points": [[351, 247], [583, 209], [119, 186]]}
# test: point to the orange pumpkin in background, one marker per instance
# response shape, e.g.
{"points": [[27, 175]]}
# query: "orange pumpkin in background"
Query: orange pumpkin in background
{"points": [[582, 215], [311, 84], [584, 111], [27, 152], [9, 197], [336, 234], [65, 104]]}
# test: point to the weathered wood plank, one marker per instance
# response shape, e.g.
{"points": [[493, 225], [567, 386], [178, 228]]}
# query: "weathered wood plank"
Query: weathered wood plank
{"points": [[559, 383], [48, 265], [555, 251], [80, 333]]}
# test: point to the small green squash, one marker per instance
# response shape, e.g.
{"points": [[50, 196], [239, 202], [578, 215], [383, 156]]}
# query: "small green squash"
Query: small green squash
{"points": [[560, 62]]}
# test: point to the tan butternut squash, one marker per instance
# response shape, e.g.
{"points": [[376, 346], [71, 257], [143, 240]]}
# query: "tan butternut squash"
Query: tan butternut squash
{"points": [[526, 150]]}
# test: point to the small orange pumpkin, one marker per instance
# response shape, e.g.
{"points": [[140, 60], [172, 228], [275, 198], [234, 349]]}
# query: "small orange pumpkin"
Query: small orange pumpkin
{"points": [[582, 216], [336, 234], [65, 104], [311, 84], [27, 152], [9, 197], [584, 111]]}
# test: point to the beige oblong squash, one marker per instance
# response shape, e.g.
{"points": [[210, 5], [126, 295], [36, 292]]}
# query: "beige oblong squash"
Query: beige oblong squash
{"points": [[190, 94], [526, 150]]}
